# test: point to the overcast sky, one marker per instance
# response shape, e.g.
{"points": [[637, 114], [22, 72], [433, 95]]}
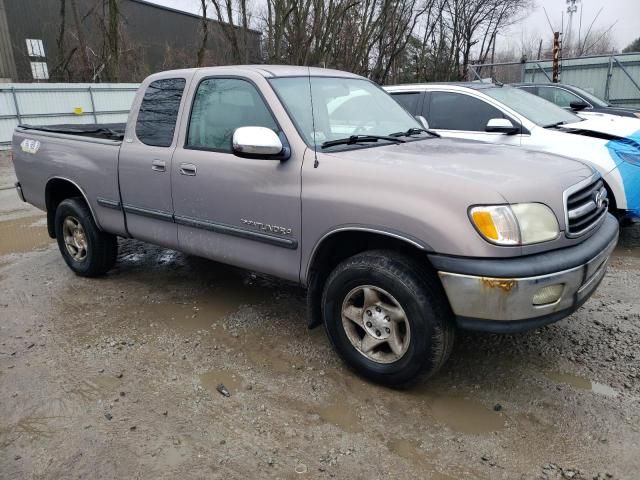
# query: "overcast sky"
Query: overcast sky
{"points": [[626, 14]]}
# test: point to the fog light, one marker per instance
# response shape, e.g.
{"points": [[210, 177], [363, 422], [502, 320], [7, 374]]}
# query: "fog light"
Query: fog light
{"points": [[548, 294]]}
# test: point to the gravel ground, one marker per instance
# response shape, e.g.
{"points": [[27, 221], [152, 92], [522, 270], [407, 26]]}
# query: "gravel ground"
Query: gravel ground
{"points": [[118, 377]]}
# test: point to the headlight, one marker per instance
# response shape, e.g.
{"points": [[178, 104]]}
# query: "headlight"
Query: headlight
{"points": [[518, 224]]}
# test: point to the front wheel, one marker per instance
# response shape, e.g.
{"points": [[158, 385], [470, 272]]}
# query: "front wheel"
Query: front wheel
{"points": [[87, 250], [387, 317]]}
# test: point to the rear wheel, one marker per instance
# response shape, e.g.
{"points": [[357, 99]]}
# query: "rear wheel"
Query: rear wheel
{"points": [[387, 317], [87, 250]]}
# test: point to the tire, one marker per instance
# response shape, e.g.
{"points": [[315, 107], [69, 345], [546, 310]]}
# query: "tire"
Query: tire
{"points": [[100, 248], [422, 341]]}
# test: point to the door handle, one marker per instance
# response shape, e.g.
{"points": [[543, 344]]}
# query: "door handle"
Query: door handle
{"points": [[158, 166], [188, 169]]}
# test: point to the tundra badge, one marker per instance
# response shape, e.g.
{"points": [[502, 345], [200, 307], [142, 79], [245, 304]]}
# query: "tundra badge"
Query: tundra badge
{"points": [[266, 227]]}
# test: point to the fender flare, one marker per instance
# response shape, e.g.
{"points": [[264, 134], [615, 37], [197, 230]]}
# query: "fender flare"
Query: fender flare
{"points": [[366, 229], [51, 215]]}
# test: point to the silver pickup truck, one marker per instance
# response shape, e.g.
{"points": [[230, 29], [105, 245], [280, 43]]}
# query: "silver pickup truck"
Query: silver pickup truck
{"points": [[319, 177]]}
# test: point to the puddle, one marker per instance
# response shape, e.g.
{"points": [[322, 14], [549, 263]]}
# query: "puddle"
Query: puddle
{"points": [[219, 303], [232, 381], [407, 449], [342, 416], [464, 415], [23, 235], [263, 355], [410, 451], [581, 383]]}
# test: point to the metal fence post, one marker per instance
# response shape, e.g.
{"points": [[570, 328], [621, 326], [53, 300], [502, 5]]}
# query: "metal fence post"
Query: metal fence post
{"points": [[626, 72], [608, 82], [15, 103], [475, 72], [93, 106], [543, 71]]}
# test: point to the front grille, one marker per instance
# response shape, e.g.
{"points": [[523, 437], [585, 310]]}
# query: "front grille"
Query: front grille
{"points": [[586, 206]]}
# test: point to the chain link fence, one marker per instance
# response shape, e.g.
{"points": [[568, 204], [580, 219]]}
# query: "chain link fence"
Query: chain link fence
{"points": [[614, 78]]}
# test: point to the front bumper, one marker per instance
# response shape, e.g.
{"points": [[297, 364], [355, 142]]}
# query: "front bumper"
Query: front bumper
{"points": [[497, 295]]}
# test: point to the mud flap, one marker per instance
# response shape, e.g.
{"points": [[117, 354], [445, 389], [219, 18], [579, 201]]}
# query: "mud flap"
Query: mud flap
{"points": [[314, 303]]}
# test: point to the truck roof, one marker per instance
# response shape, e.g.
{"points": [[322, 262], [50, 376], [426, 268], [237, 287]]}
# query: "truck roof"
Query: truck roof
{"points": [[267, 71]]}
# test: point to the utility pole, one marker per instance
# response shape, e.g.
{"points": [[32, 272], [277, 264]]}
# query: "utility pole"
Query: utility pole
{"points": [[556, 56], [571, 9]]}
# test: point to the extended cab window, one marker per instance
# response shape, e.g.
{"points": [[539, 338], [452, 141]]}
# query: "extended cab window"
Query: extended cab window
{"points": [[220, 106], [158, 112], [409, 100], [456, 111]]}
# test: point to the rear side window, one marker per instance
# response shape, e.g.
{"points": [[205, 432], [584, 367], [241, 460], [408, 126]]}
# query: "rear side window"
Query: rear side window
{"points": [[409, 100], [560, 97], [530, 89], [456, 111], [159, 112], [220, 106]]}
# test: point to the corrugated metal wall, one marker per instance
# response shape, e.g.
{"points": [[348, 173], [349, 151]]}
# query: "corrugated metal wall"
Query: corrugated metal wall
{"points": [[51, 103], [601, 75]]}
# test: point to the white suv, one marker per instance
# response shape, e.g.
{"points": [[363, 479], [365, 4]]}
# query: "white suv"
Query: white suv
{"points": [[500, 114]]}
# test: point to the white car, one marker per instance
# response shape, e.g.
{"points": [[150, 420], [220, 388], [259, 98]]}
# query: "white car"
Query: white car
{"points": [[501, 114]]}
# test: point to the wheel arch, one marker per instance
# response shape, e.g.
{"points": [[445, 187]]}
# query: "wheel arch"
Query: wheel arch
{"points": [[57, 190], [340, 244]]}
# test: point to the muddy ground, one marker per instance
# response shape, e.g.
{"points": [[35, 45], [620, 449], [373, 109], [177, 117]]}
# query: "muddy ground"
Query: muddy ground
{"points": [[116, 378]]}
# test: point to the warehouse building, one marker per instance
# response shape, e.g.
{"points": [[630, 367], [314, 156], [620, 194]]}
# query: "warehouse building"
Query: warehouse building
{"points": [[151, 38]]}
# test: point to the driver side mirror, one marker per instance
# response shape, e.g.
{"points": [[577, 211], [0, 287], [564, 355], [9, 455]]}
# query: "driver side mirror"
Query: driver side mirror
{"points": [[501, 125], [423, 122], [259, 143], [578, 105]]}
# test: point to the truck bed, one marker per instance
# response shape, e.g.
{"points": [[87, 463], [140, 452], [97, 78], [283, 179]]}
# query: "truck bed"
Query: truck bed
{"points": [[110, 131]]}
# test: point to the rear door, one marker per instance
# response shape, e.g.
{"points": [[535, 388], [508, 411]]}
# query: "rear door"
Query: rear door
{"points": [[145, 162], [240, 211], [460, 115]]}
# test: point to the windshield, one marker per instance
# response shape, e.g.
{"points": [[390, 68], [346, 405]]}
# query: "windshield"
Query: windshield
{"points": [[342, 107], [597, 102], [538, 110]]}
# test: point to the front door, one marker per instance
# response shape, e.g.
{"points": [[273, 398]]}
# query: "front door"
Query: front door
{"points": [[458, 115], [244, 212]]}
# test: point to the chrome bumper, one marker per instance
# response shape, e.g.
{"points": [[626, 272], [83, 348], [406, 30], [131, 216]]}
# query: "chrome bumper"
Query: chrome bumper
{"points": [[511, 299]]}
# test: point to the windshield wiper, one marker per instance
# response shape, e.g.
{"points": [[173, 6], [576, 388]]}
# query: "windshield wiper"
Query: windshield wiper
{"points": [[554, 125], [353, 139], [414, 131]]}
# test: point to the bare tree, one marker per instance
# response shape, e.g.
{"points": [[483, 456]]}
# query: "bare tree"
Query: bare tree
{"points": [[205, 34], [82, 43], [386, 40], [234, 30], [112, 38]]}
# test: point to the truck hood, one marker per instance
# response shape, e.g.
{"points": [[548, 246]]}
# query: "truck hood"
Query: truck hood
{"points": [[517, 174], [604, 126]]}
